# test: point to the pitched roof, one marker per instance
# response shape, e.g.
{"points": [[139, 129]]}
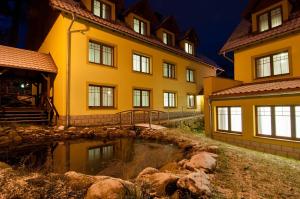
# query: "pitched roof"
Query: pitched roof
{"points": [[25, 59], [253, 89], [242, 35], [66, 6]]}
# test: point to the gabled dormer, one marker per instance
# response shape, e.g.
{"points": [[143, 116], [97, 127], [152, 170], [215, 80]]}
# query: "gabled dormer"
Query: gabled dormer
{"points": [[189, 42], [167, 31], [269, 14], [105, 9], [139, 17]]}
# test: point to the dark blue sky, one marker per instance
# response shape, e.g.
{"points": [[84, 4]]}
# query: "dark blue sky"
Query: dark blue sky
{"points": [[214, 21]]}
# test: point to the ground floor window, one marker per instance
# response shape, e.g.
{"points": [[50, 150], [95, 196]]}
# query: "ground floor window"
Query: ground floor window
{"points": [[278, 121], [191, 101], [141, 98], [101, 96], [169, 99], [229, 119]]}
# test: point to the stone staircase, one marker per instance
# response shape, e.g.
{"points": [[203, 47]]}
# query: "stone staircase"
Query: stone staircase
{"points": [[23, 115]]}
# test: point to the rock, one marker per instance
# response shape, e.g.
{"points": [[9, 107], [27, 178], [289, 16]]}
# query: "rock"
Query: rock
{"points": [[111, 188], [72, 128], [4, 166], [81, 180], [156, 183], [202, 160], [213, 149], [61, 128], [17, 139], [197, 183], [4, 140]]}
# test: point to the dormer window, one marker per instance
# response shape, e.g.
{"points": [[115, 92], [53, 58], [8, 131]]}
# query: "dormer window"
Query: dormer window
{"points": [[167, 39], [139, 26], [188, 47], [270, 20], [102, 10]]}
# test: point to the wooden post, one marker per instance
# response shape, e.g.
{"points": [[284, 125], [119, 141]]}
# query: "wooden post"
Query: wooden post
{"points": [[150, 119], [120, 120]]}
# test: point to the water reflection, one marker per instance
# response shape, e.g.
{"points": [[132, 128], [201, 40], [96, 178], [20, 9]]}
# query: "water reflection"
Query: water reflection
{"points": [[122, 158]]}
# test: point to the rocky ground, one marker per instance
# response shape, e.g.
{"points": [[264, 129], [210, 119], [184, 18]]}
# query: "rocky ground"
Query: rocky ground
{"points": [[188, 178]]}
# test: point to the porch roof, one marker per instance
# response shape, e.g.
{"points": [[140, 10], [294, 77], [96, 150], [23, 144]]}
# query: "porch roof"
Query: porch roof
{"points": [[26, 59], [275, 86]]}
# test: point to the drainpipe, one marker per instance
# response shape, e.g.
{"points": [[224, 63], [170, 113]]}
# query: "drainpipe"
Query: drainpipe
{"points": [[210, 118], [226, 57], [68, 70]]}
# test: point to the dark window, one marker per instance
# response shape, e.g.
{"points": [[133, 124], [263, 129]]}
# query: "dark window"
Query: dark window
{"points": [[169, 70], [101, 96], [101, 54], [167, 39], [270, 19], [102, 10]]}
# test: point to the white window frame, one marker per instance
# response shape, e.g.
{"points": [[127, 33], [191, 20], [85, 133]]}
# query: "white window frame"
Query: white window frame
{"points": [[229, 119]]}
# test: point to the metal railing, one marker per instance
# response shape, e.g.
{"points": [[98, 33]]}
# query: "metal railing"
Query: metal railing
{"points": [[51, 110]]}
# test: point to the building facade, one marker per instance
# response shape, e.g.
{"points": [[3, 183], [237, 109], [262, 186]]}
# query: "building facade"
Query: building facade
{"points": [[111, 60], [260, 108]]}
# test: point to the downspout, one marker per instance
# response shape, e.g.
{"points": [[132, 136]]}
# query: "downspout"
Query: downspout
{"points": [[210, 118], [68, 70], [226, 57]]}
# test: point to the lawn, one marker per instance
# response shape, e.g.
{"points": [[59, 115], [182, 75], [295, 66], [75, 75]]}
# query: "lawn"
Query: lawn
{"points": [[243, 173]]}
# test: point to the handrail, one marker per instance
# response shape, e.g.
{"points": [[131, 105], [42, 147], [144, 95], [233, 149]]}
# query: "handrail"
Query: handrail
{"points": [[52, 108]]}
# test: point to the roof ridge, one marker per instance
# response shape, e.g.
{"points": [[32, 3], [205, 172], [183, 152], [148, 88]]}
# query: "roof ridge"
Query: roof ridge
{"points": [[22, 49]]}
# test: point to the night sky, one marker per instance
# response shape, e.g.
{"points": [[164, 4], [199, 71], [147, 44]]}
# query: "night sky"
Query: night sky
{"points": [[214, 21]]}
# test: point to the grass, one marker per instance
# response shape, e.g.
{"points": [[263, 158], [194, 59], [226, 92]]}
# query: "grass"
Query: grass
{"points": [[243, 173]]}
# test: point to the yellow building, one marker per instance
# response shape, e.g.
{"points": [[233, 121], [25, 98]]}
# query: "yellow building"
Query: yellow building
{"points": [[260, 109], [107, 63]]}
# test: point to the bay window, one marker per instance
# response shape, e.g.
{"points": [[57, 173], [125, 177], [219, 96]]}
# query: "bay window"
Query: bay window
{"points": [[229, 119], [169, 100], [101, 54], [270, 19], [100, 96], [102, 10], [141, 63], [141, 98]]}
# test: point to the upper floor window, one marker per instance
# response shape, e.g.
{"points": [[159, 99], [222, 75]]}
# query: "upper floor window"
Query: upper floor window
{"points": [[102, 10], [270, 19], [139, 26], [101, 96], [273, 65], [141, 98], [229, 119], [169, 99], [141, 63], [101, 54], [190, 75], [169, 70], [188, 47], [167, 38]]}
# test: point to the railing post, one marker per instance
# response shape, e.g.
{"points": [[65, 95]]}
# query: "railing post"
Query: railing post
{"points": [[150, 119], [120, 120], [168, 116], [131, 118], [158, 118]]}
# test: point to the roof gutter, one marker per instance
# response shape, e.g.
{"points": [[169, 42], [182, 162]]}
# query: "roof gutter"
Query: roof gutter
{"points": [[68, 71], [226, 57]]}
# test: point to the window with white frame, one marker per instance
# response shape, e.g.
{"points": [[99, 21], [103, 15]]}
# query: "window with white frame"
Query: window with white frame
{"points": [[190, 75], [270, 19], [169, 99], [102, 10], [141, 98], [141, 63], [297, 112], [273, 65], [278, 121], [188, 47], [139, 26], [229, 119], [191, 101], [100, 96], [169, 70], [101, 54]]}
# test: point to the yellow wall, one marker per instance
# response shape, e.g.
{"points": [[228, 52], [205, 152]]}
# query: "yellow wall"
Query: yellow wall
{"points": [[244, 60], [121, 76]]}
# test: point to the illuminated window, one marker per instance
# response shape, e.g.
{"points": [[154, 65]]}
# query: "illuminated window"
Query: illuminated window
{"points": [[169, 70], [229, 119], [167, 39], [270, 20], [101, 96], [102, 10], [141, 63], [297, 111], [283, 121], [100, 54], [169, 99], [273, 65], [191, 101], [190, 75], [188, 47], [139, 26], [141, 98], [264, 120]]}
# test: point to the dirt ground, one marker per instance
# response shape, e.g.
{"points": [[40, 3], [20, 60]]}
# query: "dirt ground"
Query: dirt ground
{"points": [[243, 173]]}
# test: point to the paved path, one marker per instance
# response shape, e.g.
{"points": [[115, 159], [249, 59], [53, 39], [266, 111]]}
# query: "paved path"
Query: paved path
{"points": [[153, 126]]}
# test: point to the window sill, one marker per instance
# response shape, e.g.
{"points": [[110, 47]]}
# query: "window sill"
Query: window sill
{"points": [[103, 65], [229, 133], [191, 82], [169, 78], [274, 77], [142, 73], [277, 138], [102, 108]]}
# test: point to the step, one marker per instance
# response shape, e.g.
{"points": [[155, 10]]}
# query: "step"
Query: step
{"points": [[23, 121], [22, 114]]}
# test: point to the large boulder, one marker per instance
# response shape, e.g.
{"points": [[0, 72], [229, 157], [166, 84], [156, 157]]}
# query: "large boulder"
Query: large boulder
{"points": [[111, 188], [155, 183], [202, 160], [195, 183], [4, 166]]}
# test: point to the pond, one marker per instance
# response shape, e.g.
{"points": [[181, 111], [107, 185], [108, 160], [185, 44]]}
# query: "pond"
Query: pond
{"points": [[120, 158]]}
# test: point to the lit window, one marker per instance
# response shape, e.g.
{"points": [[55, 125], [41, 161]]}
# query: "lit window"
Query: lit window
{"points": [[167, 38], [191, 101], [169, 99], [276, 18], [223, 119], [283, 121], [100, 54], [236, 119], [169, 70], [270, 19], [139, 26], [273, 65], [141, 98], [190, 76], [141, 63], [188, 47], [297, 111], [102, 10], [263, 22], [229, 119], [101, 96], [264, 120]]}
